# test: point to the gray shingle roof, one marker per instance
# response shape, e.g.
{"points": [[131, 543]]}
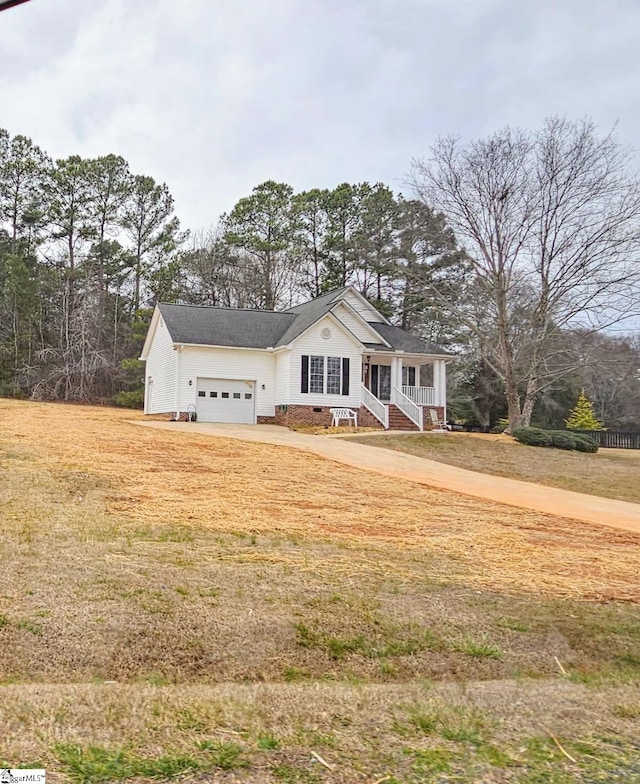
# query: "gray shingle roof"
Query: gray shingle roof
{"points": [[211, 326], [323, 299], [401, 340], [208, 326]]}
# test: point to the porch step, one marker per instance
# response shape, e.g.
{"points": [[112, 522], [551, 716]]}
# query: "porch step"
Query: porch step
{"points": [[399, 420], [367, 419]]}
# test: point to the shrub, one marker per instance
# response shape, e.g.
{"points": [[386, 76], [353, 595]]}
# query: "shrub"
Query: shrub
{"points": [[134, 399], [560, 439], [532, 436], [584, 443], [500, 426]]}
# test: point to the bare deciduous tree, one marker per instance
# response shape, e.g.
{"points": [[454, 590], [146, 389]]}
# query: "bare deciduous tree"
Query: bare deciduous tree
{"points": [[551, 223]]}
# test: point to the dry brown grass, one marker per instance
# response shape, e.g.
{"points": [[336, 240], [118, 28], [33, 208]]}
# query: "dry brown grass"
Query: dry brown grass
{"points": [[153, 557], [610, 473], [341, 430], [365, 733]]}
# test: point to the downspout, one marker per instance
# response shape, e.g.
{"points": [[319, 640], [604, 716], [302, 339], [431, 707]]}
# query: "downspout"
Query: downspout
{"points": [[178, 374], [444, 390]]}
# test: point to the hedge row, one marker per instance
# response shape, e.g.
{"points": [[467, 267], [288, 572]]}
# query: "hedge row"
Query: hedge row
{"points": [[560, 439]]}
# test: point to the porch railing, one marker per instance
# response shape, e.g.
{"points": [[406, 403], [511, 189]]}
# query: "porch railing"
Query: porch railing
{"points": [[408, 407], [421, 396], [378, 409]]}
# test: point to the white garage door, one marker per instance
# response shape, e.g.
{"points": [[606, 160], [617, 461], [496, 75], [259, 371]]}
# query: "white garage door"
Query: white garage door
{"points": [[220, 400]]}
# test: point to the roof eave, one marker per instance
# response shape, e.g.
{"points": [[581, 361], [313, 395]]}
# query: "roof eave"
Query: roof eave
{"points": [[184, 344], [153, 324]]}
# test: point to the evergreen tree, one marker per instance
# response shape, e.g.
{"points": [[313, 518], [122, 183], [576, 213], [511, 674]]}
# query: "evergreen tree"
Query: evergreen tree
{"points": [[582, 417]]}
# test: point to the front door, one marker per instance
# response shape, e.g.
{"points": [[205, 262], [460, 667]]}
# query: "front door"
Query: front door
{"points": [[381, 381]]}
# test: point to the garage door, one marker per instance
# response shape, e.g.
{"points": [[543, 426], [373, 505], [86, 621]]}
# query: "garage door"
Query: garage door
{"points": [[220, 400]]}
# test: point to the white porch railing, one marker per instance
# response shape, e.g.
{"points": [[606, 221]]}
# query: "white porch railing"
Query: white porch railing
{"points": [[408, 407], [421, 396], [378, 409]]}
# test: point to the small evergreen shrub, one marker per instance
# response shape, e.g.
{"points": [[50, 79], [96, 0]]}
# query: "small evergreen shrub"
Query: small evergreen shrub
{"points": [[532, 436], [584, 443], [582, 416], [560, 439]]}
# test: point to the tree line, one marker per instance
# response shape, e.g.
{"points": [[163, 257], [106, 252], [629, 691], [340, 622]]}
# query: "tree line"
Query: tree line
{"points": [[516, 252], [82, 243]]}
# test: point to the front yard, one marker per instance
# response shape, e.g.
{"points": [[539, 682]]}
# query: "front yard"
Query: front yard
{"points": [[181, 605], [609, 473]]}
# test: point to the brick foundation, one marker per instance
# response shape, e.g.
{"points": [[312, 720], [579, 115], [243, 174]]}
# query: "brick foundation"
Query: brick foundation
{"points": [[320, 416]]}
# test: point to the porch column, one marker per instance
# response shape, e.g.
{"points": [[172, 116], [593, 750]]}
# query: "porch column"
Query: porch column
{"points": [[436, 382], [396, 376], [440, 382]]}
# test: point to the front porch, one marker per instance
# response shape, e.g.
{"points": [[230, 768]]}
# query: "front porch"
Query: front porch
{"points": [[411, 384]]}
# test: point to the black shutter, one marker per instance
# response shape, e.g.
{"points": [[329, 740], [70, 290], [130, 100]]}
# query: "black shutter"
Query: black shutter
{"points": [[305, 374], [412, 377], [345, 375]]}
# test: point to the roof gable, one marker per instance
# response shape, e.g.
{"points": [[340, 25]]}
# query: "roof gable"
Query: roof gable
{"points": [[354, 322], [362, 306]]}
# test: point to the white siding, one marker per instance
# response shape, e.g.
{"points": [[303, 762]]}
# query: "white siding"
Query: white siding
{"points": [[368, 312], [201, 362], [353, 323], [283, 392], [340, 344], [160, 394]]}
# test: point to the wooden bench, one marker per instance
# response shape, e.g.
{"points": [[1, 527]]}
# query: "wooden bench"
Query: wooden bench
{"points": [[339, 414]]}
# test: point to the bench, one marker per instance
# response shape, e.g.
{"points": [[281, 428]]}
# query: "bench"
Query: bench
{"points": [[339, 414]]}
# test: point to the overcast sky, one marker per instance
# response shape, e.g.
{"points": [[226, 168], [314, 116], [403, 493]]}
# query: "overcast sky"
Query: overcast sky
{"points": [[215, 96]]}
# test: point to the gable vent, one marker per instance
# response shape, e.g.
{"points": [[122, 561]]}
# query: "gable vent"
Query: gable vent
{"points": [[326, 333]]}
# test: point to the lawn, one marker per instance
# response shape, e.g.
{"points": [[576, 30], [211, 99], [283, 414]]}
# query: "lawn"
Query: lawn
{"points": [[610, 473], [180, 605]]}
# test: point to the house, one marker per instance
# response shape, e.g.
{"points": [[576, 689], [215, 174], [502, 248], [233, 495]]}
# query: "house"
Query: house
{"points": [[291, 367]]}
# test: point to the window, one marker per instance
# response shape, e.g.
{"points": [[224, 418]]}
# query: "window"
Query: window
{"points": [[316, 375], [213, 394], [224, 394], [334, 366], [408, 376], [320, 375], [248, 395], [202, 393], [236, 396]]}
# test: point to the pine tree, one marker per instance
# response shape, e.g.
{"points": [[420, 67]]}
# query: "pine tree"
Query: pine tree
{"points": [[583, 417]]}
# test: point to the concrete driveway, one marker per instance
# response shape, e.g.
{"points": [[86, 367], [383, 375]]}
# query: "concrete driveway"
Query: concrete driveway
{"points": [[525, 495]]}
